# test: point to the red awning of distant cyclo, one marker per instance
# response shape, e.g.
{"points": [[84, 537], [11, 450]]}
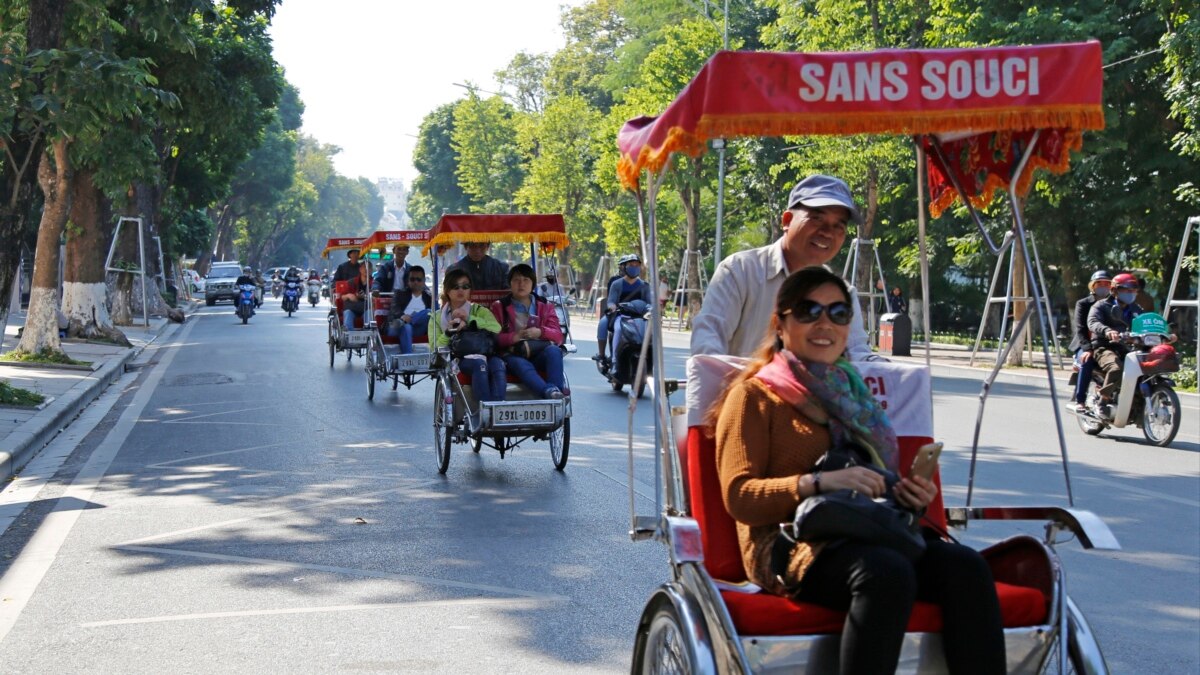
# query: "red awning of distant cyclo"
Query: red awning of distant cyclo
{"points": [[384, 239], [982, 102], [342, 244], [546, 229]]}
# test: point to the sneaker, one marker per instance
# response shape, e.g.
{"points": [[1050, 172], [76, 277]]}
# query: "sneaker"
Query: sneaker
{"points": [[554, 393], [1080, 408]]}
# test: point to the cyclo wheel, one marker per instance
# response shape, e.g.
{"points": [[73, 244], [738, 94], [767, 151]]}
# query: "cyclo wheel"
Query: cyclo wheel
{"points": [[666, 650], [370, 368], [332, 340], [560, 444], [442, 426], [1161, 415]]}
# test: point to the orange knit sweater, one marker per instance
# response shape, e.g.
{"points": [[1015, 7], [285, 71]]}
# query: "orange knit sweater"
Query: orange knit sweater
{"points": [[764, 445]]}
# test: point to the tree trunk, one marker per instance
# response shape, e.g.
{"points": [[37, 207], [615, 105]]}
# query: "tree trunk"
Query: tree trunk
{"points": [[85, 294], [689, 195], [41, 322], [862, 279], [1020, 288]]}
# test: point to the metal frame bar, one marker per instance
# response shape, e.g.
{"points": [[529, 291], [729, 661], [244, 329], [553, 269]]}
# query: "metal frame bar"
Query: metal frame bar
{"points": [[873, 264], [112, 249], [1193, 222]]}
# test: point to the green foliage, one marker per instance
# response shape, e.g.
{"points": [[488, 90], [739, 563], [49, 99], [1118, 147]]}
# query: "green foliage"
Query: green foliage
{"points": [[489, 169], [436, 190], [50, 356], [16, 396]]}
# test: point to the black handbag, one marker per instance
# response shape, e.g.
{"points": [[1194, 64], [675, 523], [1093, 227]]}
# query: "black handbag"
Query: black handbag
{"points": [[849, 514], [471, 341], [529, 349]]}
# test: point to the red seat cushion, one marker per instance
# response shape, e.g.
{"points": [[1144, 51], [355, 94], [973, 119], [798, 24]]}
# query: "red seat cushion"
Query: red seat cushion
{"points": [[765, 614]]}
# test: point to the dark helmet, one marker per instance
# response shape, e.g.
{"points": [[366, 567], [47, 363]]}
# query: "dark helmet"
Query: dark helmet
{"points": [[1098, 275]]}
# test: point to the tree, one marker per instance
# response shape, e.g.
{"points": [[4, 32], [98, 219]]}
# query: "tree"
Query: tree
{"points": [[436, 190], [525, 77], [489, 161]]}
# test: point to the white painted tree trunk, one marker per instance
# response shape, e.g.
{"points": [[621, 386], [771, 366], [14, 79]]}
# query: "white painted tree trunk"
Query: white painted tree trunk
{"points": [[41, 322], [85, 305]]}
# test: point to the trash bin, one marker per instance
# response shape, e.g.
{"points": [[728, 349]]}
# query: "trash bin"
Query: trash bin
{"points": [[895, 334]]}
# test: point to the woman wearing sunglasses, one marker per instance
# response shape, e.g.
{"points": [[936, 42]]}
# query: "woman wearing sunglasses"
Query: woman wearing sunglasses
{"points": [[798, 398], [487, 373]]}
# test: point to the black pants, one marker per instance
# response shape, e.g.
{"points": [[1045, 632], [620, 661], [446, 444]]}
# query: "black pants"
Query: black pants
{"points": [[877, 587]]}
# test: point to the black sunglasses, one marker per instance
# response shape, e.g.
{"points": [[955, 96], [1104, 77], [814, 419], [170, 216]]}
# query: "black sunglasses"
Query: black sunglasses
{"points": [[460, 287], [807, 311]]}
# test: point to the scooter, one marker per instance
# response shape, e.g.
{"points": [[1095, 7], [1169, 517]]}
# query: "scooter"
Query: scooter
{"points": [[628, 334], [291, 297], [1147, 397], [324, 288], [276, 287], [561, 303], [314, 292], [245, 302]]}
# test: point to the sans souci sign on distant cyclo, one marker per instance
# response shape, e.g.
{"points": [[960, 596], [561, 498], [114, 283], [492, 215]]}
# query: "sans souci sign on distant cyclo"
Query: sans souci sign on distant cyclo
{"points": [[958, 78]]}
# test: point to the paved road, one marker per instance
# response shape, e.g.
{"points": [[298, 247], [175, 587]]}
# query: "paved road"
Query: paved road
{"points": [[240, 505]]}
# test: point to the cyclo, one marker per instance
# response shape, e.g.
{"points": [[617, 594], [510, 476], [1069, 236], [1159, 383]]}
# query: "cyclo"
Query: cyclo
{"points": [[350, 339], [706, 618], [383, 358], [503, 425]]}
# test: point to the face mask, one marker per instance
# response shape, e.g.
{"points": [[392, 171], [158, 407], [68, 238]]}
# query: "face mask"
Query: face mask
{"points": [[633, 271], [1101, 292], [1127, 297]]}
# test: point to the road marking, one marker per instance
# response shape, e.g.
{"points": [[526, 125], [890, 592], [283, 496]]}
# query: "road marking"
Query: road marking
{"points": [[349, 571], [25, 574], [516, 603], [1154, 494], [279, 512], [21, 492], [192, 458], [642, 492]]}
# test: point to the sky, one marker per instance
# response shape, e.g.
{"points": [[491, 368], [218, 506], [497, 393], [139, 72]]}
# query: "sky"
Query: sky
{"points": [[369, 71]]}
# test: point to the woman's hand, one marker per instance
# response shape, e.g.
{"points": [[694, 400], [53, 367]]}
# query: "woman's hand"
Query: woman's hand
{"points": [[456, 323], [915, 492], [857, 478], [530, 334]]}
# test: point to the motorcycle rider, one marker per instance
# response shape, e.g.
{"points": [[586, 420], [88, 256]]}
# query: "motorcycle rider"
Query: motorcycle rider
{"points": [[409, 314], [551, 288], [1107, 319], [391, 270], [246, 278], [1081, 341], [629, 286], [292, 275]]}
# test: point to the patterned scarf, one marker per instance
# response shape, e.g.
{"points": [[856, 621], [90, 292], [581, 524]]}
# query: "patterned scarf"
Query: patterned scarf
{"points": [[834, 395]]}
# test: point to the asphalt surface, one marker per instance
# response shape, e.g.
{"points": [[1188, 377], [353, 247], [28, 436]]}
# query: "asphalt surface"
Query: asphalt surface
{"points": [[240, 505]]}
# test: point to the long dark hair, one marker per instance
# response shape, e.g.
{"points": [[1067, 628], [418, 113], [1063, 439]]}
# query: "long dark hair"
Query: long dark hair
{"points": [[794, 289]]}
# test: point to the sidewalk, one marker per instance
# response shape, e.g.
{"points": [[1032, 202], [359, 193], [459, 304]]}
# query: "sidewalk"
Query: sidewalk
{"points": [[68, 389], [944, 359]]}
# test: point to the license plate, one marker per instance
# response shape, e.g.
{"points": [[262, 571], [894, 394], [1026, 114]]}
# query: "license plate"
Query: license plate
{"points": [[516, 415], [405, 362], [358, 337]]}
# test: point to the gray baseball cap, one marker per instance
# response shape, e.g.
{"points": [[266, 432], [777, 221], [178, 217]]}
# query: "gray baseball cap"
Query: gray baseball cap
{"points": [[821, 190]]}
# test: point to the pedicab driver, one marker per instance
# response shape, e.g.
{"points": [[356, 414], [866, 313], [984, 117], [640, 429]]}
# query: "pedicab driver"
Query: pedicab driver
{"points": [[485, 272], [740, 299]]}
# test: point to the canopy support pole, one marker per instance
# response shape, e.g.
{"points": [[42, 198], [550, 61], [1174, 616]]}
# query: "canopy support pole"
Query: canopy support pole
{"points": [[719, 144], [922, 167], [1043, 322], [940, 152]]}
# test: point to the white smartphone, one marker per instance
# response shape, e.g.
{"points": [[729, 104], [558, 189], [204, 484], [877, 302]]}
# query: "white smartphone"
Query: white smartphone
{"points": [[926, 460]]}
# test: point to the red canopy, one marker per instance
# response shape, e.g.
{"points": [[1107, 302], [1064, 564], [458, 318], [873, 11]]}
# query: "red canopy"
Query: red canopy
{"points": [[385, 238], [547, 229], [342, 244], [930, 91]]}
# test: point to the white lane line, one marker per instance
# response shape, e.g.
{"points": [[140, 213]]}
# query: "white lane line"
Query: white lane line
{"points": [[211, 414], [193, 458], [1156, 495], [641, 489], [284, 511], [516, 603], [21, 580], [24, 490], [349, 571]]}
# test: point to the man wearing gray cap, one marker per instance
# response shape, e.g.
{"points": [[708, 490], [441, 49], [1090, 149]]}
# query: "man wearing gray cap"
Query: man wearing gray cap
{"points": [[739, 302]]}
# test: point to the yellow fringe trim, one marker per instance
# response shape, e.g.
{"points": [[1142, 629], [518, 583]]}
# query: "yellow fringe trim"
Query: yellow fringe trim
{"points": [[544, 239], [1074, 117]]}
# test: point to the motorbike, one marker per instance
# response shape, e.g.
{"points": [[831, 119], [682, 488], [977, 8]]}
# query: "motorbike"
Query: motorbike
{"points": [[314, 292], [325, 288], [276, 287], [627, 337], [1147, 397], [245, 302], [561, 303], [291, 297]]}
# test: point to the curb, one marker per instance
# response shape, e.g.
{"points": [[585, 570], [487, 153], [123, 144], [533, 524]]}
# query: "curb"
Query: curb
{"points": [[23, 445]]}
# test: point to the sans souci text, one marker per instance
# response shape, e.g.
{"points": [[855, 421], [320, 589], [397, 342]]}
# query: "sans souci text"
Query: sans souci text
{"points": [[891, 80]]}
